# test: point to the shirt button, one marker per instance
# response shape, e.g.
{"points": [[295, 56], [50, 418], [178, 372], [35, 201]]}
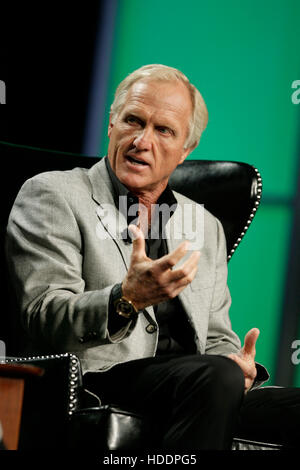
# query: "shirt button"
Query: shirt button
{"points": [[151, 328]]}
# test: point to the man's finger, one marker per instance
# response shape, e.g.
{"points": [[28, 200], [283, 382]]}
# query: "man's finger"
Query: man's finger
{"points": [[171, 259], [184, 281], [138, 241], [250, 341], [190, 266]]}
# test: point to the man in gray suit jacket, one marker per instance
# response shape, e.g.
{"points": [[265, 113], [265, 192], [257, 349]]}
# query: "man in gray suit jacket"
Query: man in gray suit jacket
{"points": [[107, 265]]}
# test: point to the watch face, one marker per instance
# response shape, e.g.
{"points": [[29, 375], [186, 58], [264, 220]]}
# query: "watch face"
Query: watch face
{"points": [[125, 307]]}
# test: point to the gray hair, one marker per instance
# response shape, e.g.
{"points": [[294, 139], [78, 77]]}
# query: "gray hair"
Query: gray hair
{"points": [[199, 117]]}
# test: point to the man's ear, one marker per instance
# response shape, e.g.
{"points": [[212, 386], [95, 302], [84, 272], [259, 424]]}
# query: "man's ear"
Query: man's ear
{"points": [[110, 126], [185, 153]]}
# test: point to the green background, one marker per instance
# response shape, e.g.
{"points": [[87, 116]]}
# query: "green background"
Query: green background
{"points": [[243, 56]]}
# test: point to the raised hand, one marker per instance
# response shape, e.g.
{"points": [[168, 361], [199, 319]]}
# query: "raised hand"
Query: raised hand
{"points": [[149, 282], [246, 357]]}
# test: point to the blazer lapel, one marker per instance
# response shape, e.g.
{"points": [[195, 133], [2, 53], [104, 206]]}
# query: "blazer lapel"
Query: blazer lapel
{"points": [[174, 236], [176, 233], [113, 223]]}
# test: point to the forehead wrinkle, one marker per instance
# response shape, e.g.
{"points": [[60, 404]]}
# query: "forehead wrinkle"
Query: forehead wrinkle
{"points": [[158, 116], [153, 100], [145, 104]]}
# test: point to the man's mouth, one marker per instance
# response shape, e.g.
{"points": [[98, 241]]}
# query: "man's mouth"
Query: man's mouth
{"points": [[135, 161]]}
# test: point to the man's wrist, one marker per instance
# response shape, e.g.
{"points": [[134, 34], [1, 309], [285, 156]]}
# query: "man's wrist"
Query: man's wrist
{"points": [[123, 306]]}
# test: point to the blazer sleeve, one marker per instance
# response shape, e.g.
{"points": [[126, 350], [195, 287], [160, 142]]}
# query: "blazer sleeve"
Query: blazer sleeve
{"points": [[44, 252], [221, 339]]}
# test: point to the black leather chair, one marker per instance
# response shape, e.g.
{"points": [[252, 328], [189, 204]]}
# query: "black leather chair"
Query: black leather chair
{"points": [[56, 406]]}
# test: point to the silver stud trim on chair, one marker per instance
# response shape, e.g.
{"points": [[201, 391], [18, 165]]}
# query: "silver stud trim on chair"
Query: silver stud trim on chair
{"points": [[74, 374], [257, 191]]}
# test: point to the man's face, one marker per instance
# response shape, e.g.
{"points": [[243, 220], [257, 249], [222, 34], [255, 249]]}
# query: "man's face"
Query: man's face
{"points": [[148, 135]]}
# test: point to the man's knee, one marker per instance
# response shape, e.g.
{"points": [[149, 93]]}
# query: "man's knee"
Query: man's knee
{"points": [[227, 375], [218, 376]]}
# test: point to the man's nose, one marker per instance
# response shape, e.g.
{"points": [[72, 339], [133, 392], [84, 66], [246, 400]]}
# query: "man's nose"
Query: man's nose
{"points": [[143, 141]]}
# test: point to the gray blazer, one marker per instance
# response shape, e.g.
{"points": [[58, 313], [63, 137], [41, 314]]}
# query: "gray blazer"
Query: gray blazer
{"points": [[64, 258]]}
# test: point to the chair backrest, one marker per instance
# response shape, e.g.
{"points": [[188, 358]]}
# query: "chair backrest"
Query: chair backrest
{"points": [[229, 190]]}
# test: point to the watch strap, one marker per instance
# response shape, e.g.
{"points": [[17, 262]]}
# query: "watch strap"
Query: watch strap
{"points": [[116, 293]]}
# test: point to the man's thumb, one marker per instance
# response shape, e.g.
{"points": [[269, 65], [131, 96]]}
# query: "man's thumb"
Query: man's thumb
{"points": [[137, 238], [250, 341]]}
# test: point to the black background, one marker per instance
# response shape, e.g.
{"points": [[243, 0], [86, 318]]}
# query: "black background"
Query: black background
{"points": [[46, 58]]}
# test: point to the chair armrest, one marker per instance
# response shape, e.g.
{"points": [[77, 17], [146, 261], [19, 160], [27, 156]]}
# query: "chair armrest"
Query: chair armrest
{"points": [[49, 400]]}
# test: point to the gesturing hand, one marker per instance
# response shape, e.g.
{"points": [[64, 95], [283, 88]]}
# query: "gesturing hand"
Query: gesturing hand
{"points": [[148, 281], [245, 357]]}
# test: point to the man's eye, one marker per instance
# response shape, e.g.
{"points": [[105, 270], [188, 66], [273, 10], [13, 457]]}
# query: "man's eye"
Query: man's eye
{"points": [[164, 130], [131, 120]]}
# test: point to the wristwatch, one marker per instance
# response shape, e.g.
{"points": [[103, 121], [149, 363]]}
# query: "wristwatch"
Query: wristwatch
{"points": [[123, 306]]}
